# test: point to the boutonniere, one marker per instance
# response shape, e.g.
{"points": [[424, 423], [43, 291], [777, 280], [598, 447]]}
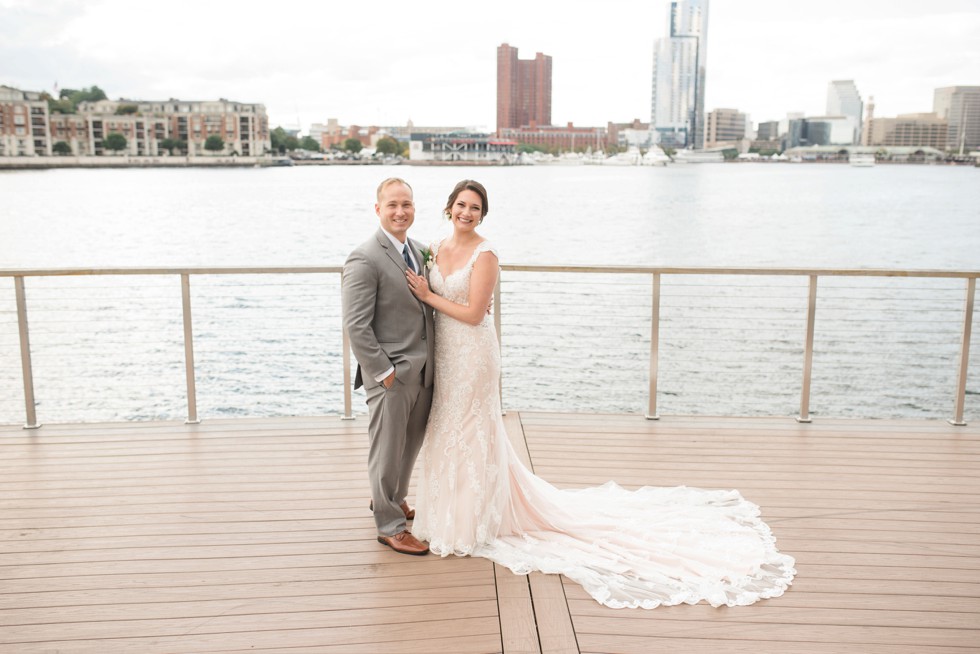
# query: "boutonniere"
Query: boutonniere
{"points": [[427, 258]]}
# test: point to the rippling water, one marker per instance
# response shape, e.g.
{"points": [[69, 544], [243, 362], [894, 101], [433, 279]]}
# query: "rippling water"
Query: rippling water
{"points": [[110, 348]]}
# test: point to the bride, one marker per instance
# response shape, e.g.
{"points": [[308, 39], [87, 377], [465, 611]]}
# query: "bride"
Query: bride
{"points": [[644, 548]]}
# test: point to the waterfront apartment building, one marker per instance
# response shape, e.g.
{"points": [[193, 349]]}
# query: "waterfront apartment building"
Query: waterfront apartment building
{"points": [[908, 130], [679, 62], [23, 124], [960, 107], [725, 127], [843, 99], [523, 89], [244, 128]]}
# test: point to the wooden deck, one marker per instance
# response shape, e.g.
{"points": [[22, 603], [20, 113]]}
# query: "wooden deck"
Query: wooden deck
{"points": [[254, 536]]}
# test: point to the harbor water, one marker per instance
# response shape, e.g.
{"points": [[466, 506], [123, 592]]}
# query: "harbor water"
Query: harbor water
{"points": [[110, 348]]}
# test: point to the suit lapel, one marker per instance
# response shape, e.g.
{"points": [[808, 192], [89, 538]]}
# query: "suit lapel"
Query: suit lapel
{"points": [[389, 248], [396, 258]]}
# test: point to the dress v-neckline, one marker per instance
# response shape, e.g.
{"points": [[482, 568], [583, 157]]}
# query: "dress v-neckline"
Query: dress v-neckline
{"points": [[463, 267]]}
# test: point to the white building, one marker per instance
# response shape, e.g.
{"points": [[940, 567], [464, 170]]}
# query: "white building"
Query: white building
{"points": [[677, 106], [843, 99]]}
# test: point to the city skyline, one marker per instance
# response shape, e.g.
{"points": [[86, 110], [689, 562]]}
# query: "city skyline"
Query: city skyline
{"points": [[434, 66]]}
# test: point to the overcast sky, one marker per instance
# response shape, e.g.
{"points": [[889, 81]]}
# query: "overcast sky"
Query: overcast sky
{"points": [[434, 62]]}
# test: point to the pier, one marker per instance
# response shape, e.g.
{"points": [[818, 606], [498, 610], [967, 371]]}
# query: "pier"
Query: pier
{"points": [[252, 535]]}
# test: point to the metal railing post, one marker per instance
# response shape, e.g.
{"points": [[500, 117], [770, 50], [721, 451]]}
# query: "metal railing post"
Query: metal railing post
{"points": [[345, 339], [654, 349], [500, 343], [811, 314], [27, 369], [185, 291], [960, 400]]}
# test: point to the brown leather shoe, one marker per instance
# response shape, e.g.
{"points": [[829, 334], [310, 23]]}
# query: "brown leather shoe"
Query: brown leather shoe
{"points": [[405, 543], [406, 509]]}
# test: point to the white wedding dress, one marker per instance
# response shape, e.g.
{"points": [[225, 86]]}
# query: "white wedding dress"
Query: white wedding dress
{"points": [[644, 548]]}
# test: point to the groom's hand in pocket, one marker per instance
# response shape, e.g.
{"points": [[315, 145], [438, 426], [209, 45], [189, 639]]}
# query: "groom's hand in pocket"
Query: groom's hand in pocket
{"points": [[389, 380]]}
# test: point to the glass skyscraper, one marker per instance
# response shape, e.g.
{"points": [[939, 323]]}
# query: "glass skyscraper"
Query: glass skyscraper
{"points": [[677, 106], [843, 99]]}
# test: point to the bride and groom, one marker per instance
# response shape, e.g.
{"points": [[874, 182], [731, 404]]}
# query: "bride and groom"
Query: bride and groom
{"points": [[429, 361]]}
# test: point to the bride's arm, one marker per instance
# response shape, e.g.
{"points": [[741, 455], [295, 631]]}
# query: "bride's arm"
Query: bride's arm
{"points": [[482, 281]]}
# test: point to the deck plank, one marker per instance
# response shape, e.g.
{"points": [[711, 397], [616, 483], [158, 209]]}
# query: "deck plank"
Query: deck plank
{"points": [[881, 516], [252, 535]]}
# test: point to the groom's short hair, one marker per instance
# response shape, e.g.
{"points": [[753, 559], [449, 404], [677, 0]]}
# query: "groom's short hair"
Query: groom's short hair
{"points": [[392, 180]]}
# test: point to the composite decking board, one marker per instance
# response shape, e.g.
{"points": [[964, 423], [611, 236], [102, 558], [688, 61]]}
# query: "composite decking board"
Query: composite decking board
{"points": [[556, 634], [252, 535], [885, 517]]}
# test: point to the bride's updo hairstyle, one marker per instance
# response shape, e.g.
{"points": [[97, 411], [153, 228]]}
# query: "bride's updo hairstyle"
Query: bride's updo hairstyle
{"points": [[467, 185]]}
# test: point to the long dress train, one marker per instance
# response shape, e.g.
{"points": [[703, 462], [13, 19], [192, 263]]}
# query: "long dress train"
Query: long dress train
{"points": [[644, 548]]}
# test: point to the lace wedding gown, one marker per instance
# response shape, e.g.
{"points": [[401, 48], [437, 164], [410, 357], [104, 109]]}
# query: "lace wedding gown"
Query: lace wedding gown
{"points": [[640, 548]]}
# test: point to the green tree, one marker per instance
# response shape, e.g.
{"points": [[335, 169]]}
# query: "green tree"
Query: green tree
{"points": [[730, 154], [60, 106], [68, 99], [278, 139], [353, 145], [214, 143], [126, 109], [309, 143], [90, 94], [291, 143], [61, 148], [115, 141], [389, 145]]}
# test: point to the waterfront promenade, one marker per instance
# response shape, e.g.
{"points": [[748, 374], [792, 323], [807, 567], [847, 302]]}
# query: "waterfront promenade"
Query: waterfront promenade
{"points": [[253, 535]]}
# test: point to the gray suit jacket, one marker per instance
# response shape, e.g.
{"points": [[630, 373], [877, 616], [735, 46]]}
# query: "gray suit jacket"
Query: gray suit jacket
{"points": [[387, 325]]}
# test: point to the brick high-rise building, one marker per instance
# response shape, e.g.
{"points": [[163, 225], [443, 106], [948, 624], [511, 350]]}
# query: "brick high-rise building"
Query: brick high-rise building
{"points": [[523, 89]]}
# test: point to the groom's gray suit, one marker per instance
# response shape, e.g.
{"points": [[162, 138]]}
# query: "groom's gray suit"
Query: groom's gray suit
{"points": [[389, 327]]}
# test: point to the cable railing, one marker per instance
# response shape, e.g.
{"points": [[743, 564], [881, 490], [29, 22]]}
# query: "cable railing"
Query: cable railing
{"points": [[118, 343]]}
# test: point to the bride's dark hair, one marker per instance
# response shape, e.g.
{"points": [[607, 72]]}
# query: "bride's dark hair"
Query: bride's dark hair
{"points": [[468, 185]]}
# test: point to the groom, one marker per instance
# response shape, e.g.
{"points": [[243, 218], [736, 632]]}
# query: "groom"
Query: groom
{"points": [[391, 333]]}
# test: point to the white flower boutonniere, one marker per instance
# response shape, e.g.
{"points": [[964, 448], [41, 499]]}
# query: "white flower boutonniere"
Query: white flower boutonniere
{"points": [[427, 258]]}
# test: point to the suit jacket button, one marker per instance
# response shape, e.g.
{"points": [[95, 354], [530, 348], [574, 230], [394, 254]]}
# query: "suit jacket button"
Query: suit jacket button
{"points": [[423, 337]]}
